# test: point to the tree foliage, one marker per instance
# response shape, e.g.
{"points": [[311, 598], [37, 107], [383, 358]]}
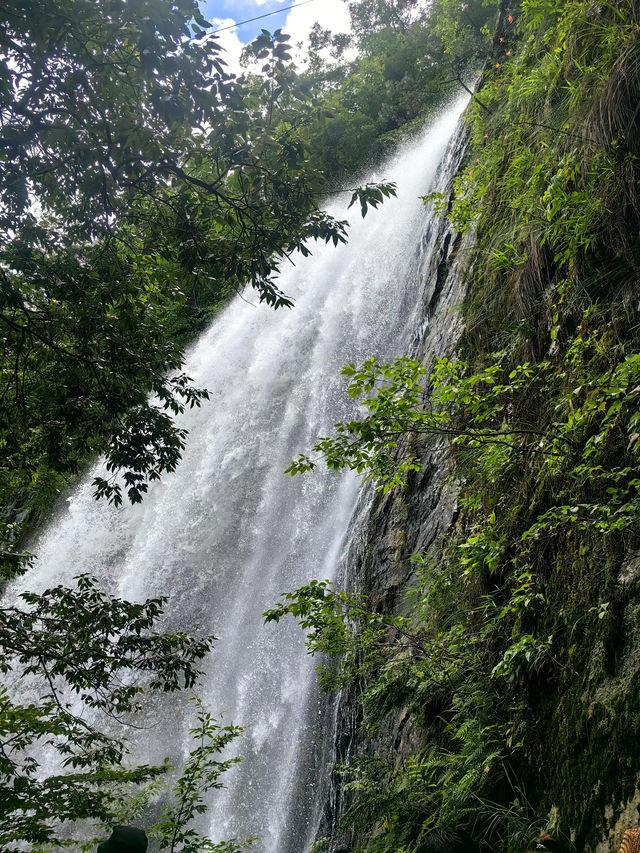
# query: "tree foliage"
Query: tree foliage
{"points": [[137, 176], [70, 681], [201, 772], [411, 58], [371, 16], [401, 402]]}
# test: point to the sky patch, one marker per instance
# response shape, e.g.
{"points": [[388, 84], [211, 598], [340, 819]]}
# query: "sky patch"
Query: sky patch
{"points": [[331, 14]]}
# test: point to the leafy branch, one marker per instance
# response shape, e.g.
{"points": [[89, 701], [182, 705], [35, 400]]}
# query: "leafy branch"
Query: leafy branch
{"points": [[200, 774], [401, 402], [112, 656]]}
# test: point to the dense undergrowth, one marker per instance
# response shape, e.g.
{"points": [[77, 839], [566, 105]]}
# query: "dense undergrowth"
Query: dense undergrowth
{"points": [[517, 665]]}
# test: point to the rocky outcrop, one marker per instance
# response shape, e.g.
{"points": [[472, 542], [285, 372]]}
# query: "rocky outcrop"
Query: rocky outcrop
{"points": [[389, 528]]}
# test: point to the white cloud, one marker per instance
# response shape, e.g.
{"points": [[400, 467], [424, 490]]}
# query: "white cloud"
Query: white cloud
{"points": [[331, 14], [230, 43]]}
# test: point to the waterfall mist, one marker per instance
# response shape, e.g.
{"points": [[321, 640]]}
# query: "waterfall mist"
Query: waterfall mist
{"points": [[226, 533]]}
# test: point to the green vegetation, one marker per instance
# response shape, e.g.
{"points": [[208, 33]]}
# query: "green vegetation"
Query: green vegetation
{"points": [[201, 773], [142, 185], [413, 58], [514, 661], [103, 666]]}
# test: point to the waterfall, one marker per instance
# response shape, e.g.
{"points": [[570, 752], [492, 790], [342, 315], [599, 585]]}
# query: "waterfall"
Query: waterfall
{"points": [[227, 532]]}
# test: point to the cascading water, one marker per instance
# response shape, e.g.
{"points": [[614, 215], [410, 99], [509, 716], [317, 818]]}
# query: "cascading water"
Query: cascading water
{"points": [[227, 532]]}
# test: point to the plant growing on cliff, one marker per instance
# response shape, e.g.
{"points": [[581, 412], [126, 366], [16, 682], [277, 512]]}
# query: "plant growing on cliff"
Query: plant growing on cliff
{"points": [[354, 640], [471, 409], [429, 662]]}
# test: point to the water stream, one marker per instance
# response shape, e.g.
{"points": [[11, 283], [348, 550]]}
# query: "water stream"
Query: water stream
{"points": [[227, 532]]}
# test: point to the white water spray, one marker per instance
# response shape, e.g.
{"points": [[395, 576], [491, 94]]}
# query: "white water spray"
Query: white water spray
{"points": [[226, 533]]}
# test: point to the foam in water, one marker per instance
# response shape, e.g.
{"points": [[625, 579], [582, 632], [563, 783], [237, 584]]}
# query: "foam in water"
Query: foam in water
{"points": [[226, 533]]}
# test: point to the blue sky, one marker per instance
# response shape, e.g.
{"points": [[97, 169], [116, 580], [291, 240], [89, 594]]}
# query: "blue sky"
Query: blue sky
{"points": [[332, 14], [240, 10]]}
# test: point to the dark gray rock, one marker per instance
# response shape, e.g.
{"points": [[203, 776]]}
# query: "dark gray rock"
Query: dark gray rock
{"points": [[387, 529]]}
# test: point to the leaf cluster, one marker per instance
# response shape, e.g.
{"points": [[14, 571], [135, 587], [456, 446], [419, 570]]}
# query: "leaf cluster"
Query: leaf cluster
{"points": [[141, 183], [201, 771], [74, 679]]}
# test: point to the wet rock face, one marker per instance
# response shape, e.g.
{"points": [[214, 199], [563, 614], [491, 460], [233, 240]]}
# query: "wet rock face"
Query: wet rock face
{"points": [[390, 528]]}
